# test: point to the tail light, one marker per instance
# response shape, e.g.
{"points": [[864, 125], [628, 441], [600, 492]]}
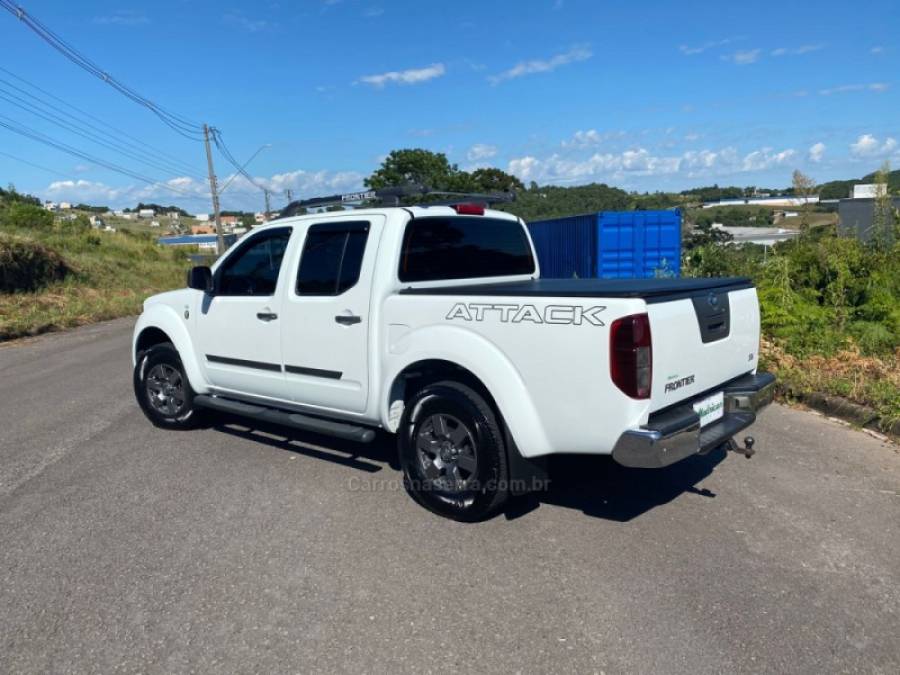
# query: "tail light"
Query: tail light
{"points": [[469, 209], [630, 355]]}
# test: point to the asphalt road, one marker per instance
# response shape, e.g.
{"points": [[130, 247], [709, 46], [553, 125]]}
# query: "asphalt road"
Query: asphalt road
{"points": [[127, 548]]}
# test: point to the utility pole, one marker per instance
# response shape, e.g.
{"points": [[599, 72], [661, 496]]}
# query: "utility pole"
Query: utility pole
{"points": [[289, 194], [220, 240], [267, 204]]}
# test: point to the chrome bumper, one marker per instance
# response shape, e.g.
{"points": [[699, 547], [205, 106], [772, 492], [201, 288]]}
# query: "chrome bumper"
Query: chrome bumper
{"points": [[674, 434]]}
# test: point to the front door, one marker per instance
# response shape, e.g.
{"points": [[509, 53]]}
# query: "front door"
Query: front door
{"points": [[326, 313], [238, 327]]}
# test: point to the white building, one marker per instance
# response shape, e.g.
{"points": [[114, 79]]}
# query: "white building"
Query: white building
{"points": [[764, 201], [50, 206], [868, 191], [146, 213], [202, 217], [65, 206], [260, 217]]}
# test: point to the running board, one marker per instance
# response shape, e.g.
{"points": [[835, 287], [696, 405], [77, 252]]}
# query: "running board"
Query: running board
{"points": [[350, 432]]}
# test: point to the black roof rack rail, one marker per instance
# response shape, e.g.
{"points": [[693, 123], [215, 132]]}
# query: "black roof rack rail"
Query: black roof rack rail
{"points": [[391, 196]]}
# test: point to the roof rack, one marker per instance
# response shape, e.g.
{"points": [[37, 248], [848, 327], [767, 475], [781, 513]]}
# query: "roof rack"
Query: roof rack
{"points": [[391, 196]]}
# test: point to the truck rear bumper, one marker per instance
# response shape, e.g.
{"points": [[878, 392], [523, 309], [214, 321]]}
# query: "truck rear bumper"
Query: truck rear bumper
{"points": [[673, 434]]}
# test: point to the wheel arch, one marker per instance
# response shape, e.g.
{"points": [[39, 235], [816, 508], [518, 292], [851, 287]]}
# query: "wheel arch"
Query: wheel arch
{"points": [[160, 323], [478, 364]]}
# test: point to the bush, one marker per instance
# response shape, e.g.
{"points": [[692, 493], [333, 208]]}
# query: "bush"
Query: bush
{"points": [[27, 266], [20, 215]]}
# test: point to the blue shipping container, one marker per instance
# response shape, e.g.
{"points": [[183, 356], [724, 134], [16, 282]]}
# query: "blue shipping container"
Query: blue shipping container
{"points": [[609, 245]]}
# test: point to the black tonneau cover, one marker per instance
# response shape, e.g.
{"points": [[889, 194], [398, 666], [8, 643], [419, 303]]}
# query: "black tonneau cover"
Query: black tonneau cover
{"points": [[650, 290]]}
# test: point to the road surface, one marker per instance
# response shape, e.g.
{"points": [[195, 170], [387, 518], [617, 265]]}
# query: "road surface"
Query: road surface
{"points": [[124, 548]]}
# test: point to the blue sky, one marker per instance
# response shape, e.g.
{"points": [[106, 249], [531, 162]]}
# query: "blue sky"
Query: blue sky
{"points": [[645, 96]]}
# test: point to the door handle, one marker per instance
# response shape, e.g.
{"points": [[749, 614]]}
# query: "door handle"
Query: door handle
{"points": [[347, 320], [266, 316]]}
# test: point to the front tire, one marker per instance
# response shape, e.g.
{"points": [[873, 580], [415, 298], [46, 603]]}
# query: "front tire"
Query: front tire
{"points": [[452, 452], [162, 389]]}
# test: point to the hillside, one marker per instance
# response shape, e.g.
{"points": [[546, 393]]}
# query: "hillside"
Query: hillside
{"points": [[57, 274]]}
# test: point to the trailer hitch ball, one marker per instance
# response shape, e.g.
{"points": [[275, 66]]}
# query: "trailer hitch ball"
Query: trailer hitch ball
{"points": [[749, 441]]}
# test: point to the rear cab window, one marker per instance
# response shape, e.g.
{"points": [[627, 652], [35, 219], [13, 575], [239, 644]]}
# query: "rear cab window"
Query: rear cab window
{"points": [[442, 248]]}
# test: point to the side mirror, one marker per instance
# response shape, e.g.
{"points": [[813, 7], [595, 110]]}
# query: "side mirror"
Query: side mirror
{"points": [[200, 278]]}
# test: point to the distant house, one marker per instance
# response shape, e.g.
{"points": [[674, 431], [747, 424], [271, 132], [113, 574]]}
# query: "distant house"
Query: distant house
{"points": [[260, 217], [203, 229], [51, 206], [202, 217], [173, 215], [147, 213], [65, 206]]}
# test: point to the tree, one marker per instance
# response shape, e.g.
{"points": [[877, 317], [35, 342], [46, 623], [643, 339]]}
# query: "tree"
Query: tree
{"points": [[882, 215], [804, 187], [495, 180], [418, 166]]}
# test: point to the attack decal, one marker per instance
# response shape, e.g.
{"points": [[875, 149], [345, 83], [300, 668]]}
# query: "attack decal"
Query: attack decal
{"points": [[571, 315]]}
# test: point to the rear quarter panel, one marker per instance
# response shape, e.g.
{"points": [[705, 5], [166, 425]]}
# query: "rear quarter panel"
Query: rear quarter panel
{"points": [[545, 361]]}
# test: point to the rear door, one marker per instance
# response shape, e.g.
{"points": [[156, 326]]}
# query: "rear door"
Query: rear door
{"points": [[702, 341], [326, 312], [238, 338]]}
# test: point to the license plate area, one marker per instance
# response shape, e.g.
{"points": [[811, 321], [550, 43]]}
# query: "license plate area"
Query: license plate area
{"points": [[710, 408]]}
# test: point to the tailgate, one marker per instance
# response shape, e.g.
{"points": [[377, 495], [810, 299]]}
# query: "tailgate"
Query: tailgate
{"points": [[701, 341]]}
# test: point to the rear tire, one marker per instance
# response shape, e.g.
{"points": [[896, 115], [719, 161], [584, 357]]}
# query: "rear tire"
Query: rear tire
{"points": [[162, 389], [452, 452]]}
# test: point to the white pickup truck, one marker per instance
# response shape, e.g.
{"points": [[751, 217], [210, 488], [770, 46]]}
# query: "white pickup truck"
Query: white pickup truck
{"points": [[432, 323]]}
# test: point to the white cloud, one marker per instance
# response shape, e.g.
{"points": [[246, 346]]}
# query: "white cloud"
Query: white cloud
{"points": [[743, 58], [410, 76], [574, 55], [868, 145], [796, 51], [878, 49], [481, 151], [122, 17], [636, 162], [877, 87], [816, 152], [687, 50], [194, 194], [591, 138]]}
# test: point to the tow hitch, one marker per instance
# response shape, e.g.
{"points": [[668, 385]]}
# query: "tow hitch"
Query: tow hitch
{"points": [[747, 451]]}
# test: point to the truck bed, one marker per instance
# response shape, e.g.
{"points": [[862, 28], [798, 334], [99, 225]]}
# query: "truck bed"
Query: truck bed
{"points": [[650, 290]]}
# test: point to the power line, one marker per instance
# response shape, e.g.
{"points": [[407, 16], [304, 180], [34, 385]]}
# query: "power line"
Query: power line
{"points": [[220, 144], [35, 135], [36, 166], [68, 126], [177, 123], [128, 139]]}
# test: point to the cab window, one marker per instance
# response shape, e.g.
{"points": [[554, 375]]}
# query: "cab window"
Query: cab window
{"points": [[253, 269]]}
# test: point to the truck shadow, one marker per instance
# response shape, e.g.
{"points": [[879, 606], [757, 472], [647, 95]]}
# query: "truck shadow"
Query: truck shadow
{"points": [[599, 487], [594, 485]]}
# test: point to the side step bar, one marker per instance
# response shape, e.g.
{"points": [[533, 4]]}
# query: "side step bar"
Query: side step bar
{"points": [[350, 432]]}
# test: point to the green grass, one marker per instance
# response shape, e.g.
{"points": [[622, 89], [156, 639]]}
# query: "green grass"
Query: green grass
{"points": [[111, 273]]}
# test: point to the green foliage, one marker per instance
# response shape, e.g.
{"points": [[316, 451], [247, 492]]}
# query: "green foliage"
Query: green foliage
{"points": [[19, 214], [553, 202], [418, 166], [818, 292], [733, 216], [11, 195]]}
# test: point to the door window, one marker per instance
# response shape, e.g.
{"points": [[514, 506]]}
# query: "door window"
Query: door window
{"points": [[253, 269], [332, 258]]}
